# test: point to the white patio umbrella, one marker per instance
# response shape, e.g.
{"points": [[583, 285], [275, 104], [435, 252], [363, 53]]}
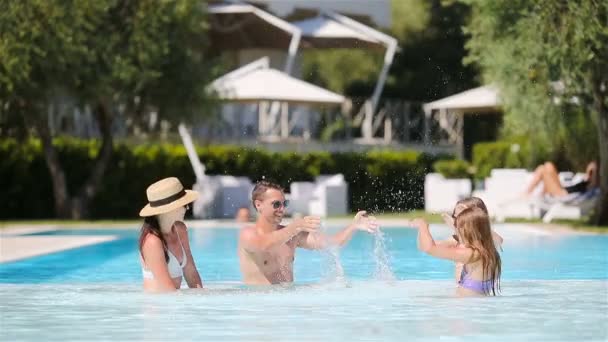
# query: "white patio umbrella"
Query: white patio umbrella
{"points": [[333, 30], [236, 26], [258, 83], [451, 110], [473, 100]]}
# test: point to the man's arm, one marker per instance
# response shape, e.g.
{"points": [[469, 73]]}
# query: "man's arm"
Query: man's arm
{"points": [[315, 240], [254, 242]]}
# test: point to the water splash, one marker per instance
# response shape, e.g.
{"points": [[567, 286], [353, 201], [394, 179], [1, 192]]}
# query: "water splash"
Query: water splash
{"points": [[332, 266], [383, 269]]}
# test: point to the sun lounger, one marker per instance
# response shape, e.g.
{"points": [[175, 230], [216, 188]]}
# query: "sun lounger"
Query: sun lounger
{"points": [[327, 196], [573, 206], [503, 196]]}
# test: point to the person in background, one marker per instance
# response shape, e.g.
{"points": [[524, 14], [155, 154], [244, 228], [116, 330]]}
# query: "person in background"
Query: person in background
{"points": [[242, 215], [547, 175]]}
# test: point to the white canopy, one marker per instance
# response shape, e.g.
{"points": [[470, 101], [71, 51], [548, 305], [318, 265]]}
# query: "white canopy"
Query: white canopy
{"points": [[240, 25], [376, 11], [256, 82], [477, 99], [331, 30]]}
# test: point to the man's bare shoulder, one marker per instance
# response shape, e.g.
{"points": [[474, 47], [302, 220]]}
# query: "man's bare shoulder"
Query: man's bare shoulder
{"points": [[248, 232]]}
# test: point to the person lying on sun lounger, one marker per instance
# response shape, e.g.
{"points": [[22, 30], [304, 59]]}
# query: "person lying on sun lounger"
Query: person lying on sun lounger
{"points": [[547, 175]]}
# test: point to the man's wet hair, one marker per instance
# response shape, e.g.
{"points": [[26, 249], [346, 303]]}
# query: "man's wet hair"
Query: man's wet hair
{"points": [[261, 187]]}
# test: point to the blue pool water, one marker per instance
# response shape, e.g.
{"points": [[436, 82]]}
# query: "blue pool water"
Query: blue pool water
{"points": [[555, 287]]}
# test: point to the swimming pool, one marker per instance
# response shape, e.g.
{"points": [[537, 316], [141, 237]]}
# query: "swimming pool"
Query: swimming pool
{"points": [[555, 287]]}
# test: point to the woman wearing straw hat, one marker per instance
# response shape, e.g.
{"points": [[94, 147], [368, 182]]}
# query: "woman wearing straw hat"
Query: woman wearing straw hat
{"points": [[163, 242]]}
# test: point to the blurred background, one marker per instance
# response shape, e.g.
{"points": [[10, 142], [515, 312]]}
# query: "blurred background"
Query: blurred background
{"points": [[388, 105]]}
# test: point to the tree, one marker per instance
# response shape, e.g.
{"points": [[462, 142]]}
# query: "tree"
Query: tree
{"points": [[429, 65], [549, 58], [133, 56], [339, 69]]}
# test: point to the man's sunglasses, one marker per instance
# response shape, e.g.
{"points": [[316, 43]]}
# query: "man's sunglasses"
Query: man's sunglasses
{"points": [[278, 204]]}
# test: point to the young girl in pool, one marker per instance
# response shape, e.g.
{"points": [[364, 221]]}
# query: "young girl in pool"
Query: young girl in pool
{"points": [[481, 269], [163, 243], [470, 202]]}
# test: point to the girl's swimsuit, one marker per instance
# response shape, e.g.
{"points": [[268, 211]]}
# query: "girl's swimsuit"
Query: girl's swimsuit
{"points": [[474, 285]]}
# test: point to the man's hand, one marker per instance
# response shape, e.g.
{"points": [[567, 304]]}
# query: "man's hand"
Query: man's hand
{"points": [[309, 224], [362, 221]]}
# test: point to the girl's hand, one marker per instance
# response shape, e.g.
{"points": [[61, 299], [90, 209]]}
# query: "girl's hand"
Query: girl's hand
{"points": [[448, 219], [420, 223]]}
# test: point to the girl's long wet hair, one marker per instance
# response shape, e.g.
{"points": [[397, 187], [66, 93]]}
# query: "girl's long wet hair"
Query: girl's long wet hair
{"points": [[152, 226], [473, 225], [471, 202]]}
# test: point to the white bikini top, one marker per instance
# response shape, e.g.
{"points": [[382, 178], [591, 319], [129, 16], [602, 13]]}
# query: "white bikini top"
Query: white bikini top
{"points": [[175, 268]]}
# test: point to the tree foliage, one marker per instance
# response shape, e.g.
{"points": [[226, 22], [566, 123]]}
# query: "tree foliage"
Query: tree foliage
{"points": [[343, 70], [134, 53], [550, 60], [427, 66], [127, 57]]}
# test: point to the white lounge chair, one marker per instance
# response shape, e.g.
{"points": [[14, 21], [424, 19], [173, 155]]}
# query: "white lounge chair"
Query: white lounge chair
{"points": [[502, 188], [573, 206], [503, 197], [328, 195], [221, 196], [440, 193], [300, 195]]}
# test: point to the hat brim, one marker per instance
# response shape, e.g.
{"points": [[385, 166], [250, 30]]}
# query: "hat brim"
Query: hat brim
{"points": [[189, 197]]}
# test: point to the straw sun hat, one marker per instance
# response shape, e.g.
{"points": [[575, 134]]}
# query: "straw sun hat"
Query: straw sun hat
{"points": [[166, 195]]}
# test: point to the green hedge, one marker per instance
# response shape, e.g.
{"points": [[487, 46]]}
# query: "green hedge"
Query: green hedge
{"points": [[500, 154], [456, 168], [378, 181]]}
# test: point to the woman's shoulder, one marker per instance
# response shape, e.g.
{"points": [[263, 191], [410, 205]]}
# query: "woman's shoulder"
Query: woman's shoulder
{"points": [[152, 241]]}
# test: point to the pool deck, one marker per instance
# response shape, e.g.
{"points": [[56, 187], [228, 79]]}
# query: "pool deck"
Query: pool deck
{"points": [[16, 245], [14, 248]]}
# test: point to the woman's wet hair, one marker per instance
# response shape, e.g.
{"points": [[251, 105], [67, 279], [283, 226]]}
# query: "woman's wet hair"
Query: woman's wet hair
{"points": [[473, 225], [152, 226]]}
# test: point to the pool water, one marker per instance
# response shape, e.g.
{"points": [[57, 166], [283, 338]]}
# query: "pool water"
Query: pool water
{"points": [[555, 287]]}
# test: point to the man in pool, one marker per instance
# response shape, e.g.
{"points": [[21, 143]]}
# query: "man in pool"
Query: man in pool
{"points": [[267, 249]]}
